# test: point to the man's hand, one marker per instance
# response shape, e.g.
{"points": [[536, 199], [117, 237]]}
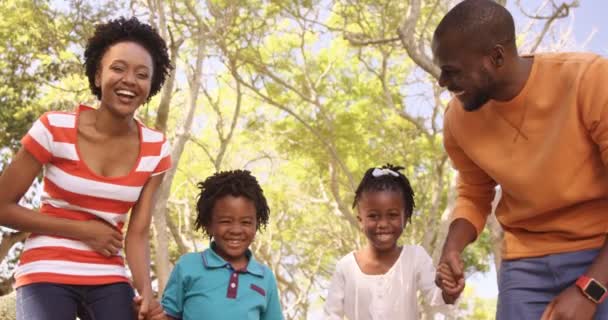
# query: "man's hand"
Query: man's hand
{"points": [[450, 285], [570, 304], [450, 274]]}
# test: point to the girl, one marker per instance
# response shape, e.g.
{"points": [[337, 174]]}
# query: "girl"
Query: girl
{"points": [[225, 281], [381, 280], [99, 164]]}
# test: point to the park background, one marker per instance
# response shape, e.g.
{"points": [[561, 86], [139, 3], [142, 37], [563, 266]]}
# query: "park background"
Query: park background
{"points": [[306, 94]]}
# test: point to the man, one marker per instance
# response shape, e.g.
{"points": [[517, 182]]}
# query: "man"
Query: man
{"points": [[537, 126]]}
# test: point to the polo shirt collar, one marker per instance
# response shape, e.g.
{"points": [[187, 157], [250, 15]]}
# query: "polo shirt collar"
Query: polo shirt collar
{"points": [[212, 260]]}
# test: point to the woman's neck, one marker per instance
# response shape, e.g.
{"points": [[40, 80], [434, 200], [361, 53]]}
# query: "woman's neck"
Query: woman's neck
{"points": [[106, 123]]}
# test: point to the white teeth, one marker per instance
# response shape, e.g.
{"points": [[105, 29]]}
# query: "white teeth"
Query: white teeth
{"points": [[126, 93], [458, 93]]}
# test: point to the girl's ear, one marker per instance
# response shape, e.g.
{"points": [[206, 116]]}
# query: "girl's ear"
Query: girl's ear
{"points": [[360, 222]]}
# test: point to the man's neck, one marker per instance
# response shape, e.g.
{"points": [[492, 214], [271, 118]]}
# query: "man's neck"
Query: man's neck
{"points": [[515, 79]]}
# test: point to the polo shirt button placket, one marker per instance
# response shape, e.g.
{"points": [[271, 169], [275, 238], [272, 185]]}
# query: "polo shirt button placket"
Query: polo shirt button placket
{"points": [[233, 285]]}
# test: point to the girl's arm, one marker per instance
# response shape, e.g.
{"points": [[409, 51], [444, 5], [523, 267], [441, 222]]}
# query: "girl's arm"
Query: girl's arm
{"points": [[426, 279], [137, 243], [334, 305], [14, 183]]}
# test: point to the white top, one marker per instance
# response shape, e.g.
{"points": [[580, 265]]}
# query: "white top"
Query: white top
{"points": [[357, 296]]}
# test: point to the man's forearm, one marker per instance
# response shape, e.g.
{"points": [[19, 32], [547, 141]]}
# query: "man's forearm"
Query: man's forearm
{"points": [[460, 235], [599, 268]]}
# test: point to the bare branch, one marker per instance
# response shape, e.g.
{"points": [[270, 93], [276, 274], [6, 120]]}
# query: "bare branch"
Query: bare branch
{"points": [[9, 240], [406, 32], [559, 12], [358, 39]]}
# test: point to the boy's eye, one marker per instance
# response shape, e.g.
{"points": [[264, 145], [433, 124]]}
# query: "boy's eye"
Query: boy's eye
{"points": [[142, 75]]}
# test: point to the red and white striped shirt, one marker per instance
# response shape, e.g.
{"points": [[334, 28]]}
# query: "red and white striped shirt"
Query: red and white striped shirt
{"points": [[73, 191]]}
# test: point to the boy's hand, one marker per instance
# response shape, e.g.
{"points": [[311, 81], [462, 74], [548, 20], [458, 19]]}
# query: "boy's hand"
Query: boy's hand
{"points": [[154, 312], [450, 284]]}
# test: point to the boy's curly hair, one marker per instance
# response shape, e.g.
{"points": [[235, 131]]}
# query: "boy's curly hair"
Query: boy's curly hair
{"points": [[237, 183]]}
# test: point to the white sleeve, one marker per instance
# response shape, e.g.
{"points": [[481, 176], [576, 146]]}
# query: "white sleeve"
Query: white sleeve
{"points": [[334, 305], [425, 277]]}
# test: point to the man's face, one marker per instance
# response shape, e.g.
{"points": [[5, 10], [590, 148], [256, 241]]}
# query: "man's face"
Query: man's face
{"points": [[464, 71]]}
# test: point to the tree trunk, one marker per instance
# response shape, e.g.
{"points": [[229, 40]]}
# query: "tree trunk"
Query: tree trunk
{"points": [[160, 210]]}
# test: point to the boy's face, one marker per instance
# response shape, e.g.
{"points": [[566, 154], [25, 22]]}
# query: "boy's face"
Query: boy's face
{"points": [[382, 218], [233, 227]]}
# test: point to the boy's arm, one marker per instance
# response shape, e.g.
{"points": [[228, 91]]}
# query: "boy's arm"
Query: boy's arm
{"points": [[273, 310], [173, 296]]}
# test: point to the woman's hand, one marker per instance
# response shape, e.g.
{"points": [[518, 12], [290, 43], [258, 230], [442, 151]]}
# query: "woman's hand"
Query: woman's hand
{"points": [[102, 237]]}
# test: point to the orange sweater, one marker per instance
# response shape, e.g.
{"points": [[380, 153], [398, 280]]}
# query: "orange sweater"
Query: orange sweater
{"points": [[547, 148]]}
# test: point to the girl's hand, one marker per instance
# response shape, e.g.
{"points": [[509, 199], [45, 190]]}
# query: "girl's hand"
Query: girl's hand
{"points": [[102, 237], [450, 284]]}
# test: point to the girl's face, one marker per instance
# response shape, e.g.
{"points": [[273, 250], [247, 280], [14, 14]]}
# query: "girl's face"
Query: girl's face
{"points": [[125, 77], [382, 218], [233, 227]]}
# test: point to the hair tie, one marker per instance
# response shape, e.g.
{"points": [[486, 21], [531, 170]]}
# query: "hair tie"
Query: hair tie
{"points": [[383, 172]]}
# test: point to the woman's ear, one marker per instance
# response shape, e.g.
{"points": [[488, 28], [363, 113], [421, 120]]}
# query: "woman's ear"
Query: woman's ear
{"points": [[98, 79]]}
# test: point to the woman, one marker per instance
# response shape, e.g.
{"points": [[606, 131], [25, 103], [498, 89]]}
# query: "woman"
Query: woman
{"points": [[99, 164]]}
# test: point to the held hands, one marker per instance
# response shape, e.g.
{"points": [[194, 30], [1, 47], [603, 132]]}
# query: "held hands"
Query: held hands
{"points": [[450, 276], [148, 309], [570, 304], [102, 237]]}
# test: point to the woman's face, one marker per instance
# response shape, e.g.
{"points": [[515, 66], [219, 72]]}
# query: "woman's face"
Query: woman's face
{"points": [[125, 77]]}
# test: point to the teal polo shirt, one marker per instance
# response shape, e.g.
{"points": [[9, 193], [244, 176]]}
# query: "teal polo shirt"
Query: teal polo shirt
{"points": [[205, 286]]}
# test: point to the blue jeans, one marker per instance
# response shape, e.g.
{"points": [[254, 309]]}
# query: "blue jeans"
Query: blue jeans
{"points": [[526, 286], [50, 301]]}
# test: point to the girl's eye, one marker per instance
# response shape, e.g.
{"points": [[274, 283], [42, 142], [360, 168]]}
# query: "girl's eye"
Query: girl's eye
{"points": [[116, 68], [142, 75]]}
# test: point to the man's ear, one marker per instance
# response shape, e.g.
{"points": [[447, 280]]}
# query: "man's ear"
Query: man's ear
{"points": [[497, 56]]}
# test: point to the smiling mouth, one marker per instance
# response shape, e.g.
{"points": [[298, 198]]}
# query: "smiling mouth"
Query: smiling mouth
{"points": [[384, 236], [234, 243], [458, 93], [125, 94]]}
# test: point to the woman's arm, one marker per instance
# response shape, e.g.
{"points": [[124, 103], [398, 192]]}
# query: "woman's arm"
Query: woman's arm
{"points": [[137, 242], [14, 183]]}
